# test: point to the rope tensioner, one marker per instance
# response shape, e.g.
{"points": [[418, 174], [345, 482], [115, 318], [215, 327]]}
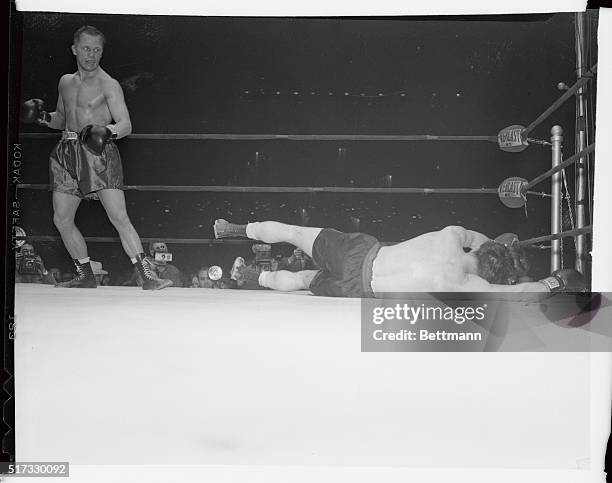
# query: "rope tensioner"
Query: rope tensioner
{"points": [[513, 139], [512, 191]]}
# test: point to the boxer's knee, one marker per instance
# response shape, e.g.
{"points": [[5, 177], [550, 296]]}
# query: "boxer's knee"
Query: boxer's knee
{"points": [[119, 219], [63, 222]]}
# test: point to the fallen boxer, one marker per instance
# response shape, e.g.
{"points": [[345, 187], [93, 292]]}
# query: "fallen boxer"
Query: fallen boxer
{"points": [[358, 265]]}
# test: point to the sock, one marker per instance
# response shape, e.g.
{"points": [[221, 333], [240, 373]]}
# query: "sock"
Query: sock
{"points": [[263, 276], [249, 230], [83, 261], [134, 260]]}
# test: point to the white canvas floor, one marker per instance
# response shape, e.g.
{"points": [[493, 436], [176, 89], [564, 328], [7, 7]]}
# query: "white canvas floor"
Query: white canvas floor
{"points": [[120, 376]]}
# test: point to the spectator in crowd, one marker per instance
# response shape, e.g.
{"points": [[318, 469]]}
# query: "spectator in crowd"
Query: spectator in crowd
{"points": [[212, 277], [201, 279], [30, 268]]}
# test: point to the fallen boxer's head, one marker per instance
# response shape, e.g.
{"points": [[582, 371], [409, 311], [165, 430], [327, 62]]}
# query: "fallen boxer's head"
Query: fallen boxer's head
{"points": [[501, 264]]}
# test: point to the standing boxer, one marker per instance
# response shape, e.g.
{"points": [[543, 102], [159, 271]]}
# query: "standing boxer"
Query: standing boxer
{"points": [[86, 164]]}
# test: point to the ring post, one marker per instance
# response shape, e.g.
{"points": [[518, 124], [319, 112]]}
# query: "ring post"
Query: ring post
{"points": [[555, 202], [580, 166]]}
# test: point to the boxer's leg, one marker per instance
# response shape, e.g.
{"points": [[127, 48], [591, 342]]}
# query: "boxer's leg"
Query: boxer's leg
{"points": [[113, 201], [274, 232], [64, 210], [287, 281], [271, 232]]}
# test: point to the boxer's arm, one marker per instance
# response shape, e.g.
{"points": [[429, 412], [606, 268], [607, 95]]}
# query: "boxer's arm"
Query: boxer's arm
{"points": [[118, 109], [474, 239], [468, 238], [532, 291], [58, 117]]}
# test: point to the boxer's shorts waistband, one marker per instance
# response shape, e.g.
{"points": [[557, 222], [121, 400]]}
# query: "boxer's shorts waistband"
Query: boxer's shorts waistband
{"points": [[69, 135]]}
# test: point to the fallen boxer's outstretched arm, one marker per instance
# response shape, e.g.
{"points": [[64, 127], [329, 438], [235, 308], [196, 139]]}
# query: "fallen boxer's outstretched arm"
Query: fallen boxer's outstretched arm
{"points": [[566, 280]]}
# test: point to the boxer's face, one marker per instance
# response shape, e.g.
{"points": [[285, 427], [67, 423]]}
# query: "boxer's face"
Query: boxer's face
{"points": [[203, 279], [88, 51], [159, 247]]}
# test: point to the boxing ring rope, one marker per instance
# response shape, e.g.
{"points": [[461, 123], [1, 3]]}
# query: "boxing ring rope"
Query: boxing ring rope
{"points": [[572, 159], [236, 241], [349, 137], [559, 102], [297, 189], [288, 137], [113, 239], [556, 236], [554, 173]]}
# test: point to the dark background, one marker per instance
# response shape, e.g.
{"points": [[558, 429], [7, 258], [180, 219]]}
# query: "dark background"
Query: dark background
{"points": [[444, 76]]}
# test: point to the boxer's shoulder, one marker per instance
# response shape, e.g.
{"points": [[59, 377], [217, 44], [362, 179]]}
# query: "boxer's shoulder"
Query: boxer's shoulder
{"points": [[109, 85], [106, 79], [67, 79]]}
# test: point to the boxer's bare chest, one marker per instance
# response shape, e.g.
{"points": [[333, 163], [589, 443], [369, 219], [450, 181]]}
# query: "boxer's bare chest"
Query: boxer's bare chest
{"points": [[85, 101]]}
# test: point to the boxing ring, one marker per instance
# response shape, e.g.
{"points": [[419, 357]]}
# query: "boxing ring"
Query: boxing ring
{"points": [[512, 191], [259, 378]]}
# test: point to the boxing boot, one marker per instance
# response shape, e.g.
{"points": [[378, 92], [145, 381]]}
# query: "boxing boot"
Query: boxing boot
{"points": [[150, 280], [84, 278], [246, 277], [225, 229]]}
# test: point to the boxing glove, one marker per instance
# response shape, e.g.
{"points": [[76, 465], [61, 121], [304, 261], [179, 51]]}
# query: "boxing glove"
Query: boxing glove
{"points": [[95, 138], [565, 280], [33, 111]]}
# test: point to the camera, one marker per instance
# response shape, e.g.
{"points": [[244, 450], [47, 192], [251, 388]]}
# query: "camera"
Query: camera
{"points": [[263, 256], [163, 257], [29, 265]]}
